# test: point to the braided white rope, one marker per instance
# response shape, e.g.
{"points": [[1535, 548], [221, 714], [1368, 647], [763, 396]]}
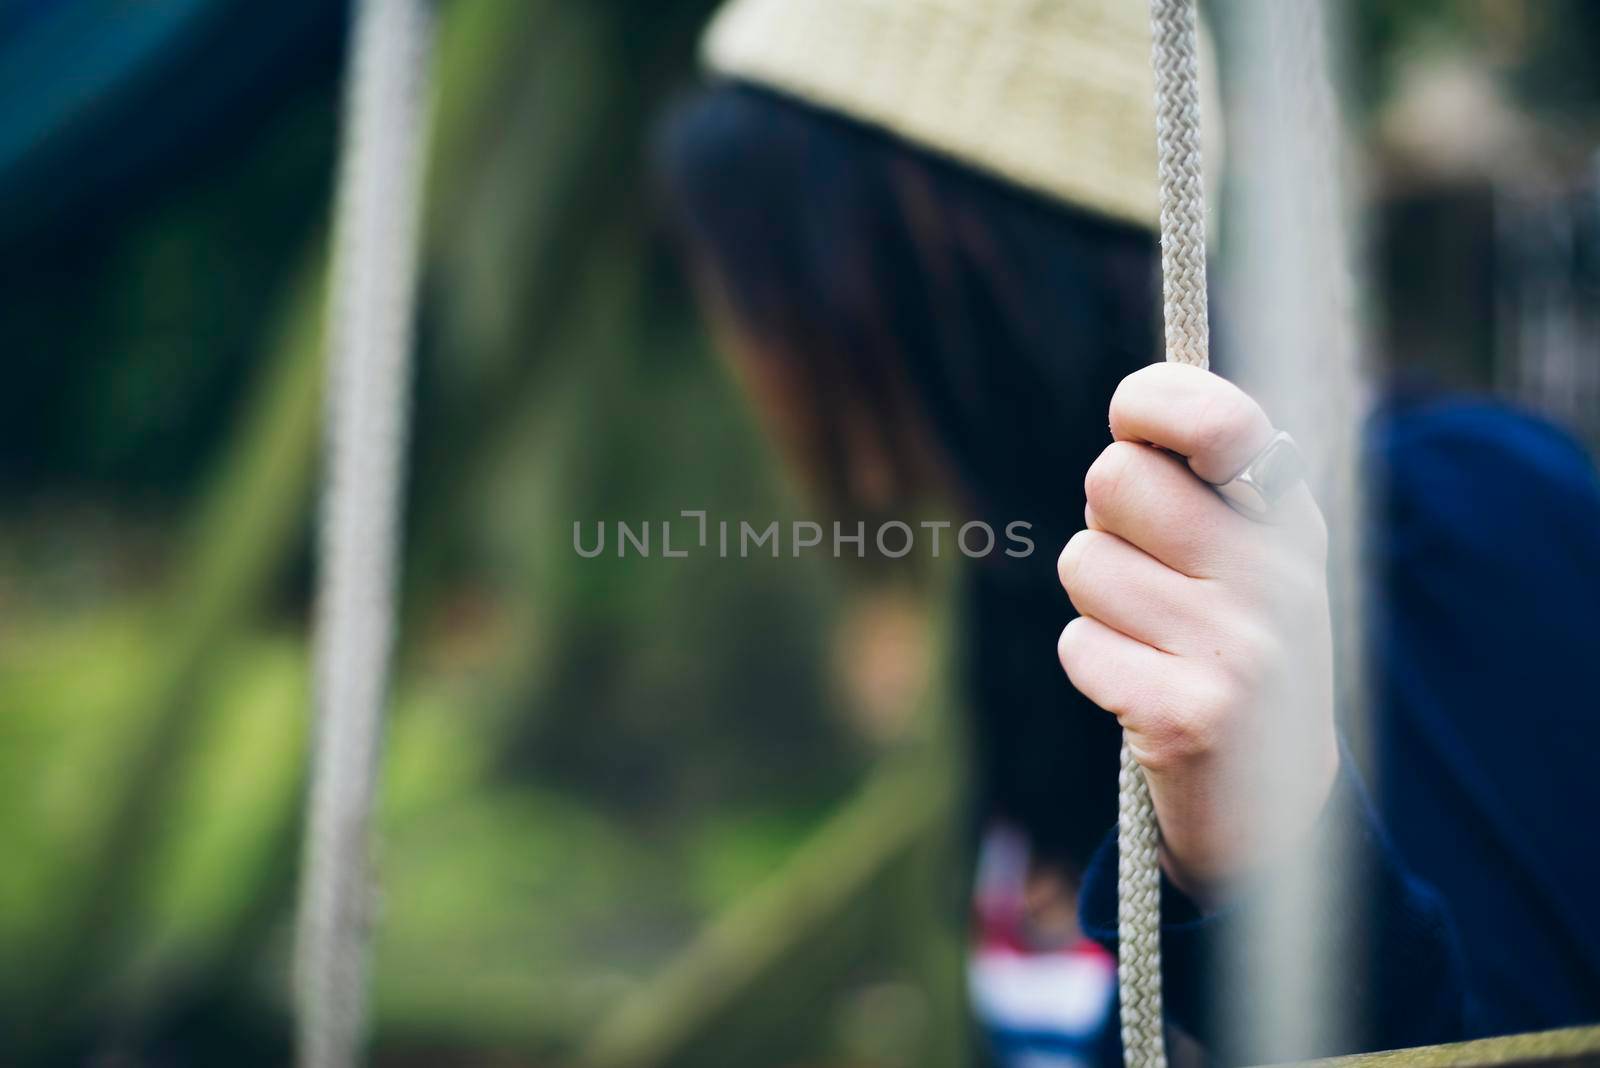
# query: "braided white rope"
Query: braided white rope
{"points": [[1138, 919], [1174, 56], [1174, 53], [369, 333]]}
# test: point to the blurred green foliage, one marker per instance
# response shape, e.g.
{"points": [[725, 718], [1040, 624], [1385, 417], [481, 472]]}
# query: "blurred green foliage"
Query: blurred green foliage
{"points": [[588, 760]]}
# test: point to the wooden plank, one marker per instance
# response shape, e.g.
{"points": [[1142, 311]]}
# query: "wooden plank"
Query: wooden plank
{"points": [[1572, 1045]]}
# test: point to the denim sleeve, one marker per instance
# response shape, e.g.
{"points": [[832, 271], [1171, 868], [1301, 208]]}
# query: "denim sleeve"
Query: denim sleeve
{"points": [[1405, 984]]}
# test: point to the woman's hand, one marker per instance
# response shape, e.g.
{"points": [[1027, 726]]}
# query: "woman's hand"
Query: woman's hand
{"points": [[1204, 632]]}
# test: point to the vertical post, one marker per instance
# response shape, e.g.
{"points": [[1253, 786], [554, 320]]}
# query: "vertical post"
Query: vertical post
{"points": [[1297, 354]]}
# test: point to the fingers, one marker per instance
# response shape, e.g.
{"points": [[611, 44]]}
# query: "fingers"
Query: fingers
{"points": [[1142, 686], [1150, 499], [1134, 593], [1111, 669], [1194, 413]]}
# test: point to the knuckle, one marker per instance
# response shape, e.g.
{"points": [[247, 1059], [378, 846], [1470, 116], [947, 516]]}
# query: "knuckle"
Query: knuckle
{"points": [[1068, 646], [1075, 566], [1069, 560], [1180, 735], [1107, 477], [1126, 394], [1072, 649], [1223, 423], [1186, 723]]}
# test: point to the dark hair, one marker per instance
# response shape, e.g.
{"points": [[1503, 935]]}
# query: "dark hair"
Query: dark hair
{"points": [[953, 316]]}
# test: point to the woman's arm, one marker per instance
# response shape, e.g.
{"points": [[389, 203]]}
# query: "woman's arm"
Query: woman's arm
{"points": [[1403, 982], [1204, 632], [1207, 635]]}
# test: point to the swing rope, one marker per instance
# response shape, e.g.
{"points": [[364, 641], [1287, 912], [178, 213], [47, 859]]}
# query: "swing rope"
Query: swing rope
{"points": [[1174, 56], [368, 338]]}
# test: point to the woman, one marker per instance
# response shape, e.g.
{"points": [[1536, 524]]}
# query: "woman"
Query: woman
{"points": [[924, 232]]}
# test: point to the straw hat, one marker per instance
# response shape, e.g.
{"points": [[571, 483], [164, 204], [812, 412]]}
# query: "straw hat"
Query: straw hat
{"points": [[1053, 95]]}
